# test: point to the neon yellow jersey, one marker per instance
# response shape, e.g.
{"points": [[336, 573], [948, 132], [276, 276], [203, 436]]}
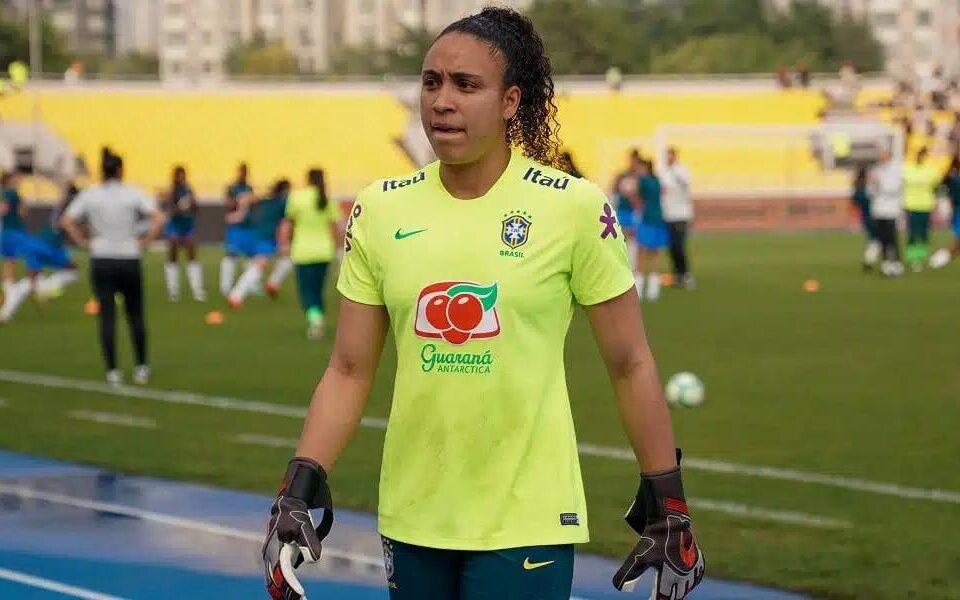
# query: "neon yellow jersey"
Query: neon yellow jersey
{"points": [[312, 236], [480, 451], [919, 184]]}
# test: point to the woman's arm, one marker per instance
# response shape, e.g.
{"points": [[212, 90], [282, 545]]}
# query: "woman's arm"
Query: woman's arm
{"points": [[69, 225], [340, 397], [618, 327], [285, 235]]}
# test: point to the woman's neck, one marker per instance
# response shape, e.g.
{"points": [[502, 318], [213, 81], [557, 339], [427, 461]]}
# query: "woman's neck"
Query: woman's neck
{"points": [[473, 180]]}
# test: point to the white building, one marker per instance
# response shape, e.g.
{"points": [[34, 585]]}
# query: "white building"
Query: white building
{"points": [[138, 26], [917, 35]]}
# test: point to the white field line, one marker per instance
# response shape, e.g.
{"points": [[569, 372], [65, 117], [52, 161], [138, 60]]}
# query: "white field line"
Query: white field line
{"points": [[691, 463], [109, 418], [53, 586], [23, 491], [721, 506]]}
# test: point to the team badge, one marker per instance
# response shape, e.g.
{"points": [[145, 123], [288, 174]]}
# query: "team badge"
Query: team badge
{"points": [[515, 229]]}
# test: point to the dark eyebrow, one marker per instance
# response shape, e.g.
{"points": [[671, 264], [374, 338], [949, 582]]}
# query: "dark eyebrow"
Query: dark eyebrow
{"points": [[456, 75]]}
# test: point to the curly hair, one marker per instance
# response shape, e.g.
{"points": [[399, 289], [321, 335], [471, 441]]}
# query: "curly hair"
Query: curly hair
{"points": [[534, 128]]}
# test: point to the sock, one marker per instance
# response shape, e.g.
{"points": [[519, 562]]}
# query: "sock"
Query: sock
{"points": [[638, 281], [653, 286], [314, 315], [871, 253], [14, 297], [195, 277], [247, 282], [54, 283], [171, 272], [281, 269], [228, 271]]}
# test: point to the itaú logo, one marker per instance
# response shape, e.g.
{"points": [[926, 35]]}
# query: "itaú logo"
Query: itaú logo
{"points": [[457, 311]]}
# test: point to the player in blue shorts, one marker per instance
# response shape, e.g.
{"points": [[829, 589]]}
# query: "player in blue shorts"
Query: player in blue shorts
{"points": [[180, 206], [624, 191], [43, 251], [239, 240], [652, 233], [951, 181], [268, 214], [861, 200], [13, 234]]}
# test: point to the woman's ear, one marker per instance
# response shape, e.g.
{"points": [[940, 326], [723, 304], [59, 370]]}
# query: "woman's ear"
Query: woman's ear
{"points": [[511, 102]]}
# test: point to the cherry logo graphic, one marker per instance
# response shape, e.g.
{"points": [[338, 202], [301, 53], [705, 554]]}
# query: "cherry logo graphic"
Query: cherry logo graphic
{"points": [[457, 311]]}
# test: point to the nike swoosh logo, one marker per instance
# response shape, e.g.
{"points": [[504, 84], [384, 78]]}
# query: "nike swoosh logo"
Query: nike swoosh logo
{"points": [[529, 566], [399, 235]]}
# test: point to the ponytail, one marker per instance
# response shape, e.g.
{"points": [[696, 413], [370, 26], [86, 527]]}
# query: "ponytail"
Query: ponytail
{"points": [[315, 179]]}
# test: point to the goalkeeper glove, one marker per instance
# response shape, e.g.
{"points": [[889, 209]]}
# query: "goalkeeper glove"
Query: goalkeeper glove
{"points": [[292, 537], [667, 544]]}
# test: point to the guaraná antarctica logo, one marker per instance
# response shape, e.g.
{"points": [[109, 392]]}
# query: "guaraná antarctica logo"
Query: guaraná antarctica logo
{"points": [[456, 312]]}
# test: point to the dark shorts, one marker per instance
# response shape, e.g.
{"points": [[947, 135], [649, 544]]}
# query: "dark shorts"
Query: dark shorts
{"points": [[529, 573], [956, 225], [178, 230]]}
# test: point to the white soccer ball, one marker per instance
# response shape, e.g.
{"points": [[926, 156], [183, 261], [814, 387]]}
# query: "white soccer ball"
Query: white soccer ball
{"points": [[685, 389]]}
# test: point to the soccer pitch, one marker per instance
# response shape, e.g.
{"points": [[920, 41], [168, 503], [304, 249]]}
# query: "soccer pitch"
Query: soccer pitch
{"points": [[850, 396]]}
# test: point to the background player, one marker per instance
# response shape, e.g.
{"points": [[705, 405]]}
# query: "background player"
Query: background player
{"points": [[920, 180], [311, 221], [13, 234], [481, 495], [624, 192], [269, 213], [951, 181], [239, 239], [180, 205], [652, 234], [861, 202], [46, 250], [885, 183], [677, 214]]}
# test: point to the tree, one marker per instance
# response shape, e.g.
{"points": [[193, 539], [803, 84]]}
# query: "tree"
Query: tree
{"points": [[15, 45], [134, 63], [404, 58], [261, 57]]}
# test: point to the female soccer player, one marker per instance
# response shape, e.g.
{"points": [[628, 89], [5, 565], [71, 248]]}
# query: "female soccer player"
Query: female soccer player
{"points": [[311, 220], [239, 239], [861, 201], [624, 191], [920, 180], [13, 234], [114, 213], [181, 207], [951, 181], [269, 214], [652, 233], [43, 251], [476, 262], [885, 185]]}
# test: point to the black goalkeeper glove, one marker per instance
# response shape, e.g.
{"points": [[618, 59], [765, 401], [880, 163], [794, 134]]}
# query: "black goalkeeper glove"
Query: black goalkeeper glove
{"points": [[667, 544], [292, 537]]}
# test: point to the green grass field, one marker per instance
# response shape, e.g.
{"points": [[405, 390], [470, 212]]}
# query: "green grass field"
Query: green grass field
{"points": [[859, 380]]}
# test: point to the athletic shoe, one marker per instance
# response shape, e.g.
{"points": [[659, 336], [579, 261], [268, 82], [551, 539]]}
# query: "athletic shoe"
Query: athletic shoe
{"points": [[141, 375], [272, 290], [115, 377], [235, 303]]}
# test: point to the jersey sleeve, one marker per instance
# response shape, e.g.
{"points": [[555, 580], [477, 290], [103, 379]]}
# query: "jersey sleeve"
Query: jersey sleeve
{"points": [[600, 269], [360, 279]]}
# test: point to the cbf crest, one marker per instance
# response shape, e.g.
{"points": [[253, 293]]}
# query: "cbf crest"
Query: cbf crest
{"points": [[515, 230]]}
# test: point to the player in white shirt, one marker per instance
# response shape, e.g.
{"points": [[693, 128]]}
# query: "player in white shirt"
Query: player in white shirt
{"points": [[886, 203], [677, 213]]}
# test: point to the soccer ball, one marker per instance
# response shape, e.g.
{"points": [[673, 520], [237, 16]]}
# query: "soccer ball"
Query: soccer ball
{"points": [[685, 389]]}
